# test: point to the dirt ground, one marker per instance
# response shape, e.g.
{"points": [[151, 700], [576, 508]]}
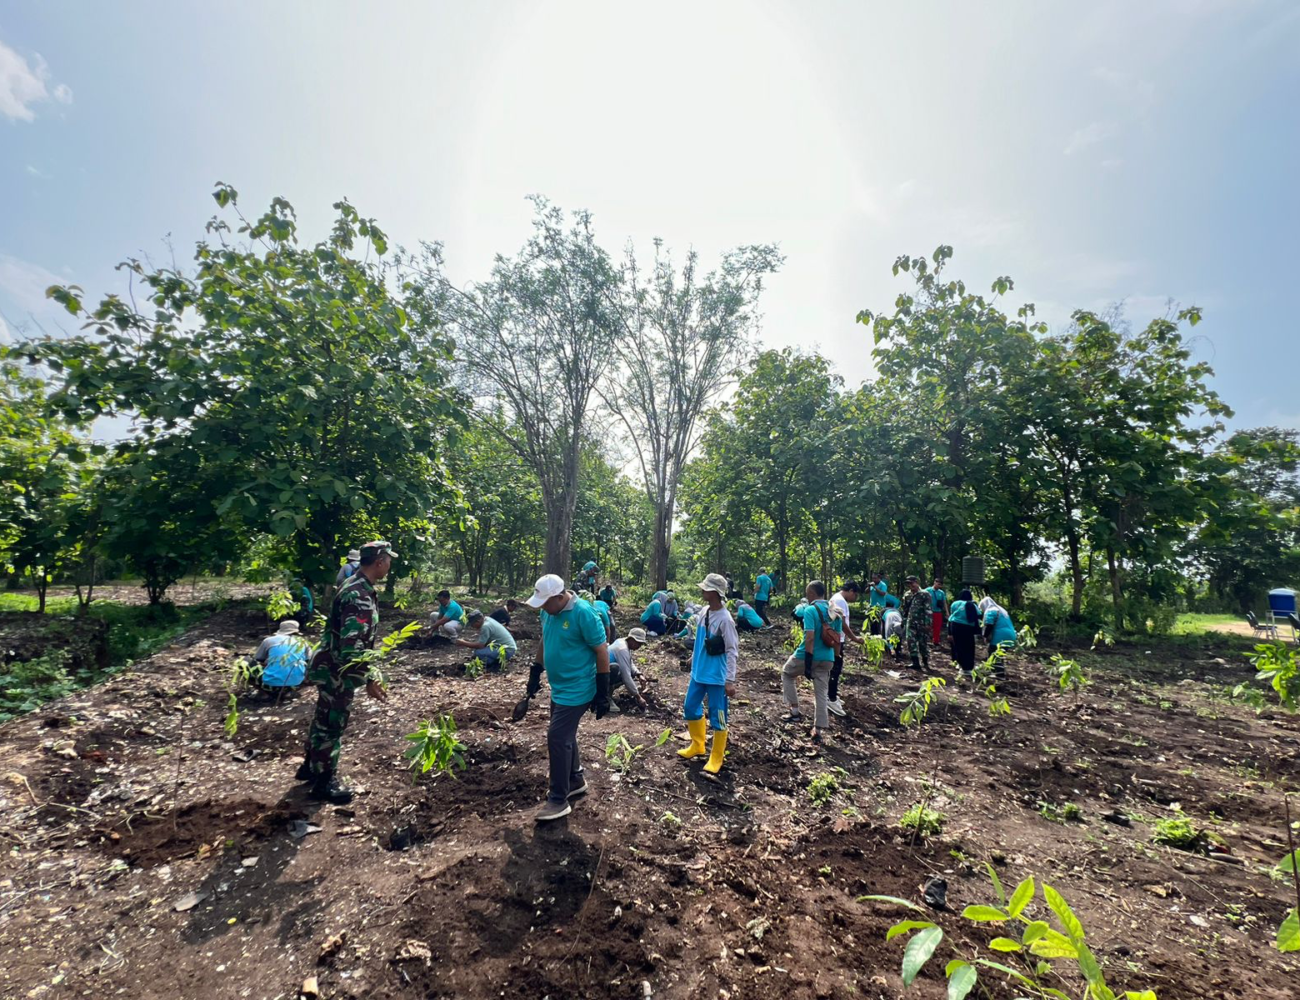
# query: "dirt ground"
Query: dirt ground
{"points": [[445, 887]]}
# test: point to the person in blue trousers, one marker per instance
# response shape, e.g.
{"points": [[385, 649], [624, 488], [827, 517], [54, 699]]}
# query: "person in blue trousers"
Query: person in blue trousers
{"points": [[713, 674]]}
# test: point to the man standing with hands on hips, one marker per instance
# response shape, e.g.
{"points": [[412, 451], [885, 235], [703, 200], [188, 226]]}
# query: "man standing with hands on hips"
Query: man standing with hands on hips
{"points": [[574, 655]]}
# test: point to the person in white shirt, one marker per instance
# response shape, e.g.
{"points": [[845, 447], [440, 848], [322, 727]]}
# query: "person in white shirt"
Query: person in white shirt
{"points": [[849, 593], [894, 631], [622, 670]]}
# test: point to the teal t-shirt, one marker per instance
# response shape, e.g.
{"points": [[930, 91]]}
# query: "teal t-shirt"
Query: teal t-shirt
{"points": [[957, 613], [569, 641], [816, 615], [452, 611], [494, 633], [589, 567], [749, 616], [878, 594], [609, 595], [653, 610], [762, 587], [1003, 630], [602, 609], [937, 597]]}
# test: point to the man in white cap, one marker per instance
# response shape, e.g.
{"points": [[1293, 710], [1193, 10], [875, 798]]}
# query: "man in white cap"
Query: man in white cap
{"points": [[713, 673], [283, 656], [575, 656], [349, 567], [623, 670]]}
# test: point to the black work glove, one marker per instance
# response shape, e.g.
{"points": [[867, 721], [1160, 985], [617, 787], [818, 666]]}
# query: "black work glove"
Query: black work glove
{"points": [[601, 705], [535, 679], [807, 664]]}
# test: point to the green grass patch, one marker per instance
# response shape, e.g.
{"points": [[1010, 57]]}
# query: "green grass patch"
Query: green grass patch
{"points": [[1190, 624]]}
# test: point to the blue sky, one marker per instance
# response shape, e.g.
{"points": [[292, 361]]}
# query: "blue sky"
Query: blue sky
{"points": [[1136, 151]]}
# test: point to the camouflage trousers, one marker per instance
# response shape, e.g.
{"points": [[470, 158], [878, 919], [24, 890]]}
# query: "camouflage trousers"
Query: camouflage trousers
{"points": [[918, 644], [325, 737]]}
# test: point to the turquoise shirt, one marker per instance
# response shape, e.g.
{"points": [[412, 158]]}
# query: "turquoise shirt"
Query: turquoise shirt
{"points": [[749, 616], [937, 597], [653, 610], [569, 641], [589, 567], [452, 611], [609, 595], [813, 621], [762, 587], [1003, 630], [602, 609], [706, 669], [957, 613], [878, 592]]}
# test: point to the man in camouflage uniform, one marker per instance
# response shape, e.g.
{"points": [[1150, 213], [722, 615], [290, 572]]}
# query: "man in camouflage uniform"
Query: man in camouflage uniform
{"points": [[353, 621], [917, 614]]}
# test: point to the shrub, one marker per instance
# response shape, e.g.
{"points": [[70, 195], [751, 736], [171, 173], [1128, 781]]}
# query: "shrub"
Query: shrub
{"points": [[1179, 831], [923, 821]]}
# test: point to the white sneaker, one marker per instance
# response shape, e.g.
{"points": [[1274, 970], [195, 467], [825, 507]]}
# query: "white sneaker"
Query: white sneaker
{"points": [[835, 707]]}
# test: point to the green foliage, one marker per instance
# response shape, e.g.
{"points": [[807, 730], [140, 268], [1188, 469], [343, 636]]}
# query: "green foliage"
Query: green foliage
{"points": [[823, 787], [983, 678], [925, 822], [670, 822], [281, 604], [1069, 674], [873, 650], [619, 753], [26, 684], [1276, 664], [274, 388], [1181, 832], [436, 747], [664, 737], [474, 669], [388, 645], [1038, 945], [916, 704]]}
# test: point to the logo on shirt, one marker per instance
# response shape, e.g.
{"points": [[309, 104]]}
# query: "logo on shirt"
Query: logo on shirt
{"points": [[566, 623]]}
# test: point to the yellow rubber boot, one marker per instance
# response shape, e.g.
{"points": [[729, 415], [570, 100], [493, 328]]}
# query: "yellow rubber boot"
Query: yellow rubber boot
{"points": [[697, 728], [719, 748]]}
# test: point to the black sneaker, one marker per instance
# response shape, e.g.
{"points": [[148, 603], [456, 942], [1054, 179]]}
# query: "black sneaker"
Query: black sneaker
{"points": [[327, 789]]}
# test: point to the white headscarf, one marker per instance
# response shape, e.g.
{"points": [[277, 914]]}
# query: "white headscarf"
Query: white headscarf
{"points": [[986, 603]]}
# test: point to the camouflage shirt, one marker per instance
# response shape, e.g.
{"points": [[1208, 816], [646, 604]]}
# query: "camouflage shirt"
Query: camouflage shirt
{"points": [[918, 610], [353, 620]]}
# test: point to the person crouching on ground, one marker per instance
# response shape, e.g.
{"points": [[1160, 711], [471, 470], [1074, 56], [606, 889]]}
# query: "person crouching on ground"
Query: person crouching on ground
{"points": [[623, 672], [652, 618], [448, 620], [282, 657], [713, 674], [575, 657], [747, 619], [813, 658], [494, 645], [999, 631]]}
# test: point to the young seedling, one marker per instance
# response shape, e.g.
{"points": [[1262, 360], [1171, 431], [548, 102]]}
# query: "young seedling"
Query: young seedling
{"points": [[822, 788], [1288, 932], [1179, 831], [922, 821], [1069, 674], [281, 604], [983, 679], [916, 704], [237, 681], [619, 753], [372, 658], [474, 669], [436, 747], [1276, 664], [1038, 945]]}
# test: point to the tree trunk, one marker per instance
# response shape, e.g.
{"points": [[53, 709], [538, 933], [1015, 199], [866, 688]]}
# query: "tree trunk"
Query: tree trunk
{"points": [[659, 545], [1116, 593]]}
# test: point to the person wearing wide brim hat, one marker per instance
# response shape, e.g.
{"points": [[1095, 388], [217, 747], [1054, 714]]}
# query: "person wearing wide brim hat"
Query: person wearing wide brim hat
{"points": [[622, 671], [713, 674], [282, 657], [349, 567]]}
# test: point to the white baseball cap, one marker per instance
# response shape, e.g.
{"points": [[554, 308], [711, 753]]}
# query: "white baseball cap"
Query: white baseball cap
{"points": [[547, 587]]}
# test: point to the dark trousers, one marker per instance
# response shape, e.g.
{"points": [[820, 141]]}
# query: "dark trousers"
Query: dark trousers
{"points": [[562, 745], [761, 608], [833, 690]]}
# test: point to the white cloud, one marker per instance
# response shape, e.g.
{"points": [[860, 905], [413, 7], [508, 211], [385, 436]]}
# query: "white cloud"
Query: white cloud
{"points": [[23, 85], [25, 283], [1089, 135], [1136, 93], [37, 172]]}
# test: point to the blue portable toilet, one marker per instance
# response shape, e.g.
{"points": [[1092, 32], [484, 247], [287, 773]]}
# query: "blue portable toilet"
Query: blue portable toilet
{"points": [[1281, 602]]}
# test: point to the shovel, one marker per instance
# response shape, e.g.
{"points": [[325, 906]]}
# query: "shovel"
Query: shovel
{"points": [[521, 709]]}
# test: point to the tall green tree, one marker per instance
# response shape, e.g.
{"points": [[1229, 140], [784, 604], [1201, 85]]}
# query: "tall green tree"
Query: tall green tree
{"points": [[283, 387]]}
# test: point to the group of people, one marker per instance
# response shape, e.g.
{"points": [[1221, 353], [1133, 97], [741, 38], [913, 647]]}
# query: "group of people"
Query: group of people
{"points": [[584, 663]]}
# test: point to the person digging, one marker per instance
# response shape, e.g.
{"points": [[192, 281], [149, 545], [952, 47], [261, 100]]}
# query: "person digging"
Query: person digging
{"points": [[713, 674]]}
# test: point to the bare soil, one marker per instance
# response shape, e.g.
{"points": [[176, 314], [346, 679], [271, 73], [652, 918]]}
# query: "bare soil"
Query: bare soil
{"points": [[446, 887]]}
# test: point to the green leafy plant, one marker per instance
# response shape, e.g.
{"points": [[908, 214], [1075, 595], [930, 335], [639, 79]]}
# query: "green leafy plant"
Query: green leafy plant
{"points": [[983, 679], [372, 658], [1276, 664], [619, 753], [1068, 673], [1027, 638], [664, 737], [474, 669], [1103, 637], [1037, 947], [1181, 832], [873, 650], [436, 747], [1068, 813], [281, 604], [1288, 932], [822, 788], [241, 674], [916, 704], [922, 820], [670, 822]]}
